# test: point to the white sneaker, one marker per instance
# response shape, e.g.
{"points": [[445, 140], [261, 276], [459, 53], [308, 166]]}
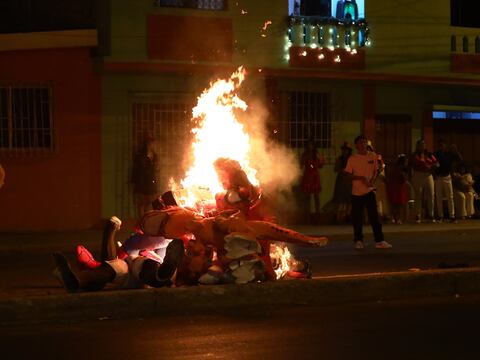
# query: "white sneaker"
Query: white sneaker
{"points": [[359, 245], [383, 245]]}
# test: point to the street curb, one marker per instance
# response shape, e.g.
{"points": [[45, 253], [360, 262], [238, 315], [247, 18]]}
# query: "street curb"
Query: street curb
{"points": [[168, 301]]}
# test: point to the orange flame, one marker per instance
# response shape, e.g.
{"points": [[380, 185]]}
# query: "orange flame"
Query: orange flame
{"points": [[218, 134], [282, 258]]}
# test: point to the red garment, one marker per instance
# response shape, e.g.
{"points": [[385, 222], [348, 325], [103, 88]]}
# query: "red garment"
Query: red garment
{"points": [[397, 188], [422, 164], [311, 176]]}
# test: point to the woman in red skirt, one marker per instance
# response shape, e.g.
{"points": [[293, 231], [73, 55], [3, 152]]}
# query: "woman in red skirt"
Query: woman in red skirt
{"points": [[397, 189], [311, 162]]}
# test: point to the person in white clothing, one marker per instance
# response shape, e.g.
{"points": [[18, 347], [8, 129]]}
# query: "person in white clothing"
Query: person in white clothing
{"points": [[463, 192], [362, 168]]}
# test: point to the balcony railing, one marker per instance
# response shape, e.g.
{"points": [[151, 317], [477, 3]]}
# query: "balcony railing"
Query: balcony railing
{"points": [[465, 54], [465, 44], [326, 41], [328, 32]]}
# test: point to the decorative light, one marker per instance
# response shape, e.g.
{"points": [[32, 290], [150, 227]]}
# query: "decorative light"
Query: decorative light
{"points": [[313, 46], [331, 48], [337, 59], [303, 53], [353, 52], [321, 57]]}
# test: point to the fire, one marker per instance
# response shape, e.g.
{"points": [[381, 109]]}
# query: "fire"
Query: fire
{"points": [[218, 134], [282, 258]]}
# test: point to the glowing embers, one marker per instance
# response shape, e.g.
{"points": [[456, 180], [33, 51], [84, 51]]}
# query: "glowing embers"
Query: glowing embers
{"points": [[217, 133], [333, 58]]}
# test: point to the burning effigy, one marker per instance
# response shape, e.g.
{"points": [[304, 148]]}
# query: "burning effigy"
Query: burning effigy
{"points": [[216, 226]]}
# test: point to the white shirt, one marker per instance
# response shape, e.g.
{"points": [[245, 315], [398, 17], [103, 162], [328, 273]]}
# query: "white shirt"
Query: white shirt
{"points": [[362, 165]]}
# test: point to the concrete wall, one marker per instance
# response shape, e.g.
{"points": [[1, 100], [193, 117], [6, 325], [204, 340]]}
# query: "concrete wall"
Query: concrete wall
{"points": [[59, 190]]}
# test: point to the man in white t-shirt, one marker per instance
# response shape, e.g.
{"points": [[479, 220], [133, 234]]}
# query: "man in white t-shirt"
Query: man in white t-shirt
{"points": [[363, 169]]}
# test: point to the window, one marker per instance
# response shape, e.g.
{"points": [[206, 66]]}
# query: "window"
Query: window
{"points": [[193, 4], [47, 15], [464, 13], [166, 117], [341, 9], [309, 117], [25, 118]]}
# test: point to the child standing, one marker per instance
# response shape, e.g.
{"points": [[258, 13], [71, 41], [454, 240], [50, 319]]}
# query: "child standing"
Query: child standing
{"points": [[397, 189]]}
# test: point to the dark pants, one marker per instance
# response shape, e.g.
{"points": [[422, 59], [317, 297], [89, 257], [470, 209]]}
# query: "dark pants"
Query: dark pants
{"points": [[358, 204]]}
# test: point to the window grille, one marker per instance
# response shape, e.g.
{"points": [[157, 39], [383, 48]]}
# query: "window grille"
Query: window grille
{"points": [[26, 118], [309, 116], [166, 118], [193, 4]]}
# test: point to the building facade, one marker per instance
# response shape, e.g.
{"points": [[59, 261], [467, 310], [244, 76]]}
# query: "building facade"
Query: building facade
{"points": [[328, 70], [49, 117], [322, 69]]}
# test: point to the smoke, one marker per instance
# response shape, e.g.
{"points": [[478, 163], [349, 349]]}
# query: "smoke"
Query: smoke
{"points": [[278, 168]]}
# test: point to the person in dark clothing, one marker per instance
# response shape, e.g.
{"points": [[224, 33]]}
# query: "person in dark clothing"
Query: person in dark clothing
{"points": [[144, 177], [343, 185], [443, 180]]}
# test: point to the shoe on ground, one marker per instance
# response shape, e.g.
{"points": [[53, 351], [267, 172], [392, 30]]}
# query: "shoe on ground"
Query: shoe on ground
{"points": [[64, 273], [85, 259], [418, 221], [383, 245], [453, 220], [359, 245]]}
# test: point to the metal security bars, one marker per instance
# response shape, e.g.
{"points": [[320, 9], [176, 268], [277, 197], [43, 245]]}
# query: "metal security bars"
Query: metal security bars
{"points": [[166, 118], [193, 4], [26, 118], [309, 116]]}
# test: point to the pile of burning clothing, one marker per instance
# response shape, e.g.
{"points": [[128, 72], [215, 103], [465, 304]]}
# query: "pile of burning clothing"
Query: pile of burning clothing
{"points": [[238, 241]]}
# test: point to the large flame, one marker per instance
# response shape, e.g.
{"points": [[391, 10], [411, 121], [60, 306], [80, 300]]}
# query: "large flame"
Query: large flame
{"points": [[218, 134]]}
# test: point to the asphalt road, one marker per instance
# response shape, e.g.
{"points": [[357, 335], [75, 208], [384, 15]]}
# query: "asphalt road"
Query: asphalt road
{"points": [[29, 273], [441, 328]]}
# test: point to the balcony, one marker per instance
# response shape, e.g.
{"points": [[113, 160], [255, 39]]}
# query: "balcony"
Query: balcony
{"points": [[465, 54], [325, 42]]}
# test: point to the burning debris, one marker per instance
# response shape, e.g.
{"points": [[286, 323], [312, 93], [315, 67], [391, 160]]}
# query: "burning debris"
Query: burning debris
{"points": [[215, 227]]}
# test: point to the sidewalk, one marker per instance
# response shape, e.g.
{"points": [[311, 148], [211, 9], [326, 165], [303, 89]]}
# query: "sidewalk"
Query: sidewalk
{"points": [[28, 291]]}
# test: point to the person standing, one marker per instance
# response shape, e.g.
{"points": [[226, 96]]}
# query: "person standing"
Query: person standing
{"points": [[343, 185], [363, 170], [443, 180], [397, 189], [464, 194], [380, 185], [144, 176], [311, 163], [422, 164]]}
